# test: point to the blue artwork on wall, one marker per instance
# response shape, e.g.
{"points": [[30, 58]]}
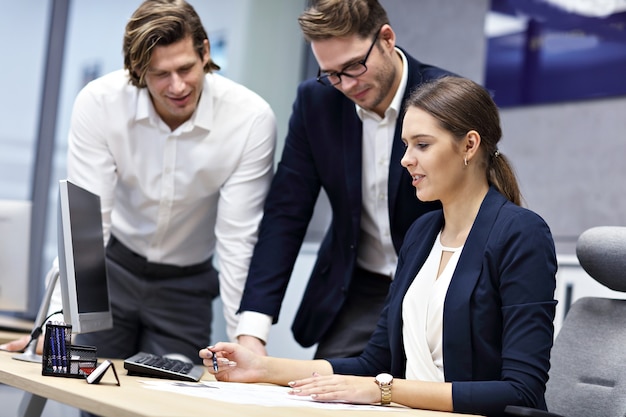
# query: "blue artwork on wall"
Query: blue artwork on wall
{"points": [[541, 51]]}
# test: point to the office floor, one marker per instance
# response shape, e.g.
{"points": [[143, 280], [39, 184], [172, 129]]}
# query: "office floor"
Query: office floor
{"points": [[10, 399]]}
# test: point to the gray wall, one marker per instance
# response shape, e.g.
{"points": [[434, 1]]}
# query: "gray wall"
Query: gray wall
{"points": [[445, 33], [268, 56], [569, 158]]}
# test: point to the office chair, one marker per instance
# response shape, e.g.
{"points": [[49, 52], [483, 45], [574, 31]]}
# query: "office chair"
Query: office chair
{"points": [[588, 359]]}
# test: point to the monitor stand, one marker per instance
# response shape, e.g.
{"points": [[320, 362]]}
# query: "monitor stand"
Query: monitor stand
{"points": [[30, 352]]}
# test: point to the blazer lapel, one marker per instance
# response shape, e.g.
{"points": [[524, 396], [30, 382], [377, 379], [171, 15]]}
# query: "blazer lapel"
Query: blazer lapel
{"points": [[396, 170], [457, 326]]}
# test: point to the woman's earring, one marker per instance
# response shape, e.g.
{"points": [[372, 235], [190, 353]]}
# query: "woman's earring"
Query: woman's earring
{"points": [[465, 160]]}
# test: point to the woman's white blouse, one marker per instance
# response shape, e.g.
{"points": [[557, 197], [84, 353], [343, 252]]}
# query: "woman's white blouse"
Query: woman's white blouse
{"points": [[422, 315]]}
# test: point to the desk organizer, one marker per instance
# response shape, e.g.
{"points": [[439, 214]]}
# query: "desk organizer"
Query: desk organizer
{"points": [[61, 358]]}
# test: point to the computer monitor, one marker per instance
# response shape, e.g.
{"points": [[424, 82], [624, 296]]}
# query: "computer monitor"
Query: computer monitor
{"points": [[14, 254], [82, 267]]}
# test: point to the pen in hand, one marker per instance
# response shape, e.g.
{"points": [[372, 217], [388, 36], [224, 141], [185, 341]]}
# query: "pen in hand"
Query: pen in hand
{"points": [[214, 362]]}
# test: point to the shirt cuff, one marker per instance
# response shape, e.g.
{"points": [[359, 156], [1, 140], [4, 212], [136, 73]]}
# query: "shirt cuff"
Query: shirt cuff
{"points": [[254, 324]]}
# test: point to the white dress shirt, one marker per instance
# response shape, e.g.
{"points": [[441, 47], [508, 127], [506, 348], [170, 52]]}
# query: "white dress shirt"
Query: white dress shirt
{"points": [[376, 252], [177, 197]]}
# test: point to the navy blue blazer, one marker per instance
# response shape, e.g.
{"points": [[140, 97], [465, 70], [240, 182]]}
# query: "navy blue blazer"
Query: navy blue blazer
{"points": [[498, 312], [323, 150]]}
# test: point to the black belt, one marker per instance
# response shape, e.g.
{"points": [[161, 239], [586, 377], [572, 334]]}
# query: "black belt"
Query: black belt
{"points": [[141, 267], [368, 282], [371, 275]]}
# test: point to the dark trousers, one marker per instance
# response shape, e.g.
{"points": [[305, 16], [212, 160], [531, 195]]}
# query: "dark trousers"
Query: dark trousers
{"points": [[156, 308], [357, 319]]}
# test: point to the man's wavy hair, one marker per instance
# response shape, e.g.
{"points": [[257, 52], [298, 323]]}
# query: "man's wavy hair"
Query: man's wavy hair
{"points": [[324, 19], [159, 23]]}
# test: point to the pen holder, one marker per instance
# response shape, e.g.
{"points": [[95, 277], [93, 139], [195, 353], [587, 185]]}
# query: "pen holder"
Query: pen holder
{"points": [[61, 358]]}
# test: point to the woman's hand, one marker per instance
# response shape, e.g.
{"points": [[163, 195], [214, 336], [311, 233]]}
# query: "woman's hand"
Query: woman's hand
{"points": [[351, 389], [235, 363]]}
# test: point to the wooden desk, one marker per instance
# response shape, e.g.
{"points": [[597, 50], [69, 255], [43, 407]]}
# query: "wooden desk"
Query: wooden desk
{"points": [[131, 399]]}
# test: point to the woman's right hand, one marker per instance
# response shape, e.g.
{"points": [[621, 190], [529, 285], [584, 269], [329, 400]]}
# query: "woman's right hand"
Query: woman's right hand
{"points": [[236, 363]]}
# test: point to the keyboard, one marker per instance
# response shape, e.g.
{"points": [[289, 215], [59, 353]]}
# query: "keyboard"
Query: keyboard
{"points": [[155, 366]]}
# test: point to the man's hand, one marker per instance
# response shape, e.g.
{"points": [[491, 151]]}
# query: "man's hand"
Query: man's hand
{"points": [[253, 343], [19, 345]]}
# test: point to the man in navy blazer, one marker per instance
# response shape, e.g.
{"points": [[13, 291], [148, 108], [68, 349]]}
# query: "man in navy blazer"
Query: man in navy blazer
{"points": [[344, 137]]}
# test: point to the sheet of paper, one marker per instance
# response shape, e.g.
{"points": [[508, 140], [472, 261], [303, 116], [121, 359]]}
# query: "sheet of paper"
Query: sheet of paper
{"points": [[254, 394]]}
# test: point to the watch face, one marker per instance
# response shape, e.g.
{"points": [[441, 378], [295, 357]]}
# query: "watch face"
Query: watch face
{"points": [[384, 378]]}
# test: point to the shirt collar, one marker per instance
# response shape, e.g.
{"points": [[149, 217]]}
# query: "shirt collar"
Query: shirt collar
{"points": [[396, 103], [202, 117]]}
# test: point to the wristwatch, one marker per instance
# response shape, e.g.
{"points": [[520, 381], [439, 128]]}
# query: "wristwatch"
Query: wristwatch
{"points": [[384, 382]]}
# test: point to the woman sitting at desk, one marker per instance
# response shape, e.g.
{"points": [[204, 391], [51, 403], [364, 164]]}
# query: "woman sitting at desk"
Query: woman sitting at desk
{"points": [[468, 321]]}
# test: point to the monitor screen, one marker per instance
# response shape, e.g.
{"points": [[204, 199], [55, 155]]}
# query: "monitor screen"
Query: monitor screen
{"points": [[14, 250], [82, 267]]}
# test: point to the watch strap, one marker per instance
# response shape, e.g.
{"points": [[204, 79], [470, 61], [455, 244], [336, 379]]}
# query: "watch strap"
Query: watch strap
{"points": [[385, 394]]}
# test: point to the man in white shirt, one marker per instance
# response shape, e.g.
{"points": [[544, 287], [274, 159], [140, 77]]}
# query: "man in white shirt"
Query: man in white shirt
{"points": [[182, 159]]}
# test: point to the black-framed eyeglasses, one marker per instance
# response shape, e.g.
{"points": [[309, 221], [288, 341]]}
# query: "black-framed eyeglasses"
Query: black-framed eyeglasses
{"points": [[353, 70]]}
